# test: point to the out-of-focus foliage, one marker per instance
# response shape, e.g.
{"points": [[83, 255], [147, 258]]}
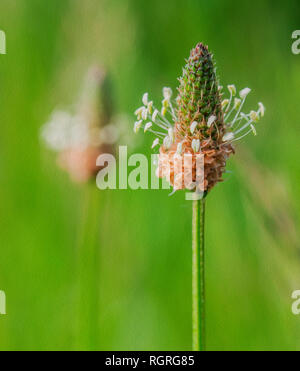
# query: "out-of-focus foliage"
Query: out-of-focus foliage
{"points": [[253, 255]]}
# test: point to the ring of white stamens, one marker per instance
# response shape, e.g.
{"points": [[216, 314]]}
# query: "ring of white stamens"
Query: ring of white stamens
{"points": [[161, 122]]}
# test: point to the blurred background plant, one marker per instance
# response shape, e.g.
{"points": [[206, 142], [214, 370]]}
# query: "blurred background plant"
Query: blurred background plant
{"points": [[79, 138], [253, 256]]}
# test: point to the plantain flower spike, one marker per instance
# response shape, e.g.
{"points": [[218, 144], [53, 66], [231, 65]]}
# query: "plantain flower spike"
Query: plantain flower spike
{"points": [[81, 137], [201, 121]]}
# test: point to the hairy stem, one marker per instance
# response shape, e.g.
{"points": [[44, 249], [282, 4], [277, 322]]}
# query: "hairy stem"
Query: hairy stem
{"points": [[198, 275]]}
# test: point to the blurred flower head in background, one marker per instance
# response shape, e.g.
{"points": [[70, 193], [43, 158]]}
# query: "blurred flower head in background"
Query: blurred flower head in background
{"points": [[80, 137]]}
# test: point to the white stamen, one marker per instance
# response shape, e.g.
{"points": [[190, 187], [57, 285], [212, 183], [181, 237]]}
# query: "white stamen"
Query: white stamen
{"points": [[228, 137], [261, 109], [211, 120], [155, 143], [244, 93], [167, 93], [150, 108], [225, 103], [154, 116], [148, 126], [232, 89], [253, 129], [145, 99], [193, 126], [145, 114], [254, 116], [237, 103], [196, 145], [137, 126], [139, 112]]}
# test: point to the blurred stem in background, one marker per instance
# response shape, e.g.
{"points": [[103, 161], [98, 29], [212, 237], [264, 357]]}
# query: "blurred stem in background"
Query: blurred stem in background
{"points": [[198, 275], [79, 138], [88, 268]]}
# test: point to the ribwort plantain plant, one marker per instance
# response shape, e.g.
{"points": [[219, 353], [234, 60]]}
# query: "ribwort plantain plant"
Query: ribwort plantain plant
{"points": [[200, 122]]}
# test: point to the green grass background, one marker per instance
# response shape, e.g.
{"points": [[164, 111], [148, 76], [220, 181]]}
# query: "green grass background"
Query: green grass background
{"points": [[253, 256]]}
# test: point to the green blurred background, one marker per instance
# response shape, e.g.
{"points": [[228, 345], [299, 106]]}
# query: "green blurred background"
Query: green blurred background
{"points": [[144, 276]]}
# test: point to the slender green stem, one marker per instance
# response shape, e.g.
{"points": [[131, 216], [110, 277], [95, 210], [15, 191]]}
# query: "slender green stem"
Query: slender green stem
{"points": [[198, 276]]}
